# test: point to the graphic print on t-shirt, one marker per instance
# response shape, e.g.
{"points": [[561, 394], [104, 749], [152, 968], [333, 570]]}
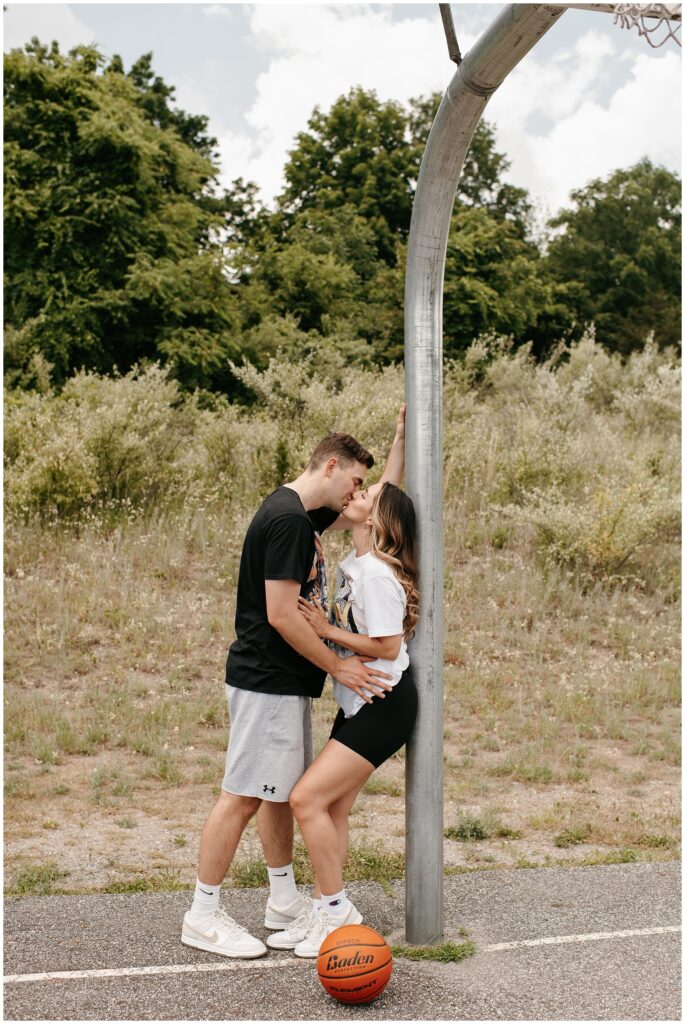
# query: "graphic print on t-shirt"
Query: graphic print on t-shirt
{"points": [[370, 600], [316, 587], [341, 612]]}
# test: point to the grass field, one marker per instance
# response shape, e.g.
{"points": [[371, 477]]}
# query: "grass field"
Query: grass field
{"points": [[561, 715], [562, 683]]}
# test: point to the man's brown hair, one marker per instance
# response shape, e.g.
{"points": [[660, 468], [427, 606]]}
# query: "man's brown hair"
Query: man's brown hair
{"points": [[342, 447]]}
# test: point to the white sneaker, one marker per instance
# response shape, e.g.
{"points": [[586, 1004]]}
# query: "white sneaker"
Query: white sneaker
{"points": [[325, 924], [221, 934], [283, 917], [297, 931]]}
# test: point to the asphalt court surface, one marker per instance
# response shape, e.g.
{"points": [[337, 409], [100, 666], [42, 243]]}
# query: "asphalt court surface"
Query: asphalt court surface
{"points": [[595, 943]]}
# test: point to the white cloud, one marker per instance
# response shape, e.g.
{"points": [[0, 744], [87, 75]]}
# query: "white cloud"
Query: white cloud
{"points": [[203, 91], [238, 153], [218, 11], [555, 87], [590, 140], [47, 21], [320, 52]]}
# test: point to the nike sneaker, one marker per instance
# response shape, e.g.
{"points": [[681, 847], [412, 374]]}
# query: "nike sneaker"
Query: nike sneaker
{"points": [[324, 924], [297, 931], [221, 934], [283, 917]]}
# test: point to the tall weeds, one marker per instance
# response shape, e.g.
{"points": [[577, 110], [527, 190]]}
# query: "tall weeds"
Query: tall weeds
{"points": [[577, 459]]}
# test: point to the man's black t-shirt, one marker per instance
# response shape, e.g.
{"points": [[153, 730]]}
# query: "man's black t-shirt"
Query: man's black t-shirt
{"points": [[282, 543]]}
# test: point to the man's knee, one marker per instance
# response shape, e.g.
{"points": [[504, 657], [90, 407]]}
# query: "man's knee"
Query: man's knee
{"points": [[275, 809], [243, 807]]}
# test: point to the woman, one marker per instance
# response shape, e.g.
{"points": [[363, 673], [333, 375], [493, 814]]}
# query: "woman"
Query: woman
{"points": [[375, 612]]}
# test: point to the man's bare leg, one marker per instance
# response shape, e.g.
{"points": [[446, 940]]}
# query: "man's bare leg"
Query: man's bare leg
{"points": [[206, 926], [221, 835], [276, 830]]}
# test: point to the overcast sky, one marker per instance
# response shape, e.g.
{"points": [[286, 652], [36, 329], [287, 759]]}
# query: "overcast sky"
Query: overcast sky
{"points": [[589, 98]]}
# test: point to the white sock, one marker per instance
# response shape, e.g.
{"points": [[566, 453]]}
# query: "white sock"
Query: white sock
{"points": [[205, 901], [337, 904], [282, 884]]}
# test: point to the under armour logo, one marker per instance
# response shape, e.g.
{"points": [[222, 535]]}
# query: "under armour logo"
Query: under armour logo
{"points": [[268, 789]]}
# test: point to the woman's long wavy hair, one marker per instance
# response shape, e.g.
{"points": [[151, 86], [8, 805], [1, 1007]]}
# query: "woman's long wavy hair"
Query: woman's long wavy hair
{"points": [[393, 540]]}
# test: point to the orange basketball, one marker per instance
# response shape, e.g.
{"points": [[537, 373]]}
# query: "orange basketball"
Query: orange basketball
{"points": [[354, 964]]}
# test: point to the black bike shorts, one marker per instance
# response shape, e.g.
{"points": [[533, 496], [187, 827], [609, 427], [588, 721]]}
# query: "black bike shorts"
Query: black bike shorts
{"points": [[379, 729]]}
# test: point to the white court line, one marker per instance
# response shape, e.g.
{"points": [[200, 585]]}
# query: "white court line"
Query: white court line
{"points": [[126, 972], [557, 940]]}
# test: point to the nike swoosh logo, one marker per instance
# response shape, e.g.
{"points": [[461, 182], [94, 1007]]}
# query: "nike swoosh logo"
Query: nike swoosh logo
{"points": [[206, 893], [202, 935], [284, 875]]}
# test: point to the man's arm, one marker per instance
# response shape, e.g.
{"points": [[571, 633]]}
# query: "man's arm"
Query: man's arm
{"points": [[393, 472], [283, 614]]}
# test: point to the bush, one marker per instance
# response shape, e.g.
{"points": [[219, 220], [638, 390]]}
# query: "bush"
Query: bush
{"points": [[601, 536], [49, 470], [577, 456], [104, 441], [135, 443]]}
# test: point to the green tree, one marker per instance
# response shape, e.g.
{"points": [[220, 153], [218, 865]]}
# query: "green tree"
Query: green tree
{"points": [[357, 155], [324, 276], [617, 258], [333, 252], [112, 216], [366, 154], [493, 281]]}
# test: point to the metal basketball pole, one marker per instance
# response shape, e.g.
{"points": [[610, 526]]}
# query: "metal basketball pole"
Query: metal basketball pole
{"points": [[513, 33]]}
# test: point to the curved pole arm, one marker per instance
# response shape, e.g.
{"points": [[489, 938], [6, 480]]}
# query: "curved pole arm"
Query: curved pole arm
{"points": [[513, 33]]}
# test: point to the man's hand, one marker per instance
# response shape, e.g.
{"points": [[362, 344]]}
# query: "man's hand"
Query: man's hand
{"points": [[353, 673]]}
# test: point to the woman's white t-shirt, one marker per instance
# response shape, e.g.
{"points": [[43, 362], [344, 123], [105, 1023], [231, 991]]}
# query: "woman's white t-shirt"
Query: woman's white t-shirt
{"points": [[368, 588]]}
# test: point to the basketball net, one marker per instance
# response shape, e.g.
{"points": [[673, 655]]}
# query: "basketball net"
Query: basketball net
{"points": [[654, 22], [657, 23]]}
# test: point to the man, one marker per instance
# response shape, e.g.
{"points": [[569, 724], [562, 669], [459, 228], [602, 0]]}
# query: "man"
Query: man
{"points": [[275, 667]]}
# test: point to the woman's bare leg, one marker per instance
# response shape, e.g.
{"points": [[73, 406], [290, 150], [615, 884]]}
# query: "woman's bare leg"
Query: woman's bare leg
{"points": [[333, 775], [340, 813]]}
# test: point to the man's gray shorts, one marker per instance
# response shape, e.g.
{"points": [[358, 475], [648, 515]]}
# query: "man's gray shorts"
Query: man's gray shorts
{"points": [[270, 745]]}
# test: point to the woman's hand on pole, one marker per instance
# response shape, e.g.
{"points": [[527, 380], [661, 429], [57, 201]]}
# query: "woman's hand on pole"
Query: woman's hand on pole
{"points": [[401, 419]]}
